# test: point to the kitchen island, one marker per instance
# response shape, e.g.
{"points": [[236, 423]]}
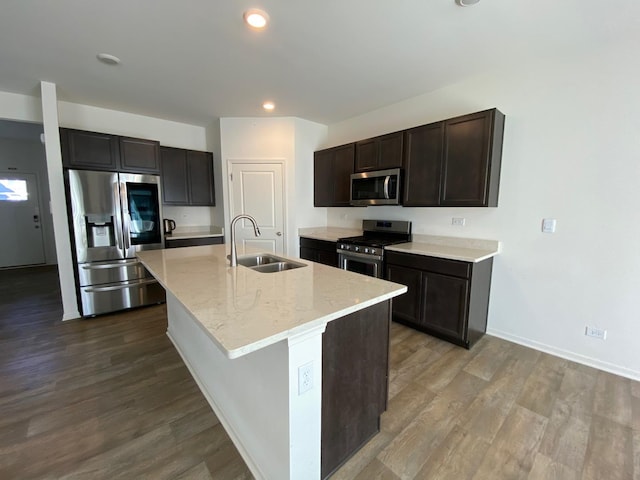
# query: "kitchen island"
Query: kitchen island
{"points": [[293, 363]]}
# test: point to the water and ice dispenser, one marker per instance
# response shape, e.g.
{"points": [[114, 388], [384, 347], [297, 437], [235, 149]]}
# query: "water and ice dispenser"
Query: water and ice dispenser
{"points": [[100, 230]]}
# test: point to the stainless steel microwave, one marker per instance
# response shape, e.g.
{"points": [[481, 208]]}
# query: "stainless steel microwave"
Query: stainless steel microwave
{"points": [[380, 187]]}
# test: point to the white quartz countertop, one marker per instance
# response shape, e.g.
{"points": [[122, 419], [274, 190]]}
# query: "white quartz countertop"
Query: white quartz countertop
{"points": [[452, 248], [195, 232], [243, 310], [329, 234]]}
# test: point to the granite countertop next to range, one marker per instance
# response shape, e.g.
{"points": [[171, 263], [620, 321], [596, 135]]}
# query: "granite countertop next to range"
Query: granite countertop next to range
{"points": [[243, 310]]}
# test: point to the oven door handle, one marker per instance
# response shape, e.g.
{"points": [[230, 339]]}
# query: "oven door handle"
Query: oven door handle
{"points": [[359, 256], [387, 179]]}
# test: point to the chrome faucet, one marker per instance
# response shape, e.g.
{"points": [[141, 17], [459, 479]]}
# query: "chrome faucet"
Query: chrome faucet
{"points": [[256, 231]]}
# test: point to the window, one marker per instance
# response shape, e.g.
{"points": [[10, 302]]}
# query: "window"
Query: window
{"points": [[13, 190]]}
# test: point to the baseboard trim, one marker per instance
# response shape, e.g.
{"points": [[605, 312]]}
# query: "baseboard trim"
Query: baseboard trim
{"points": [[566, 354]]}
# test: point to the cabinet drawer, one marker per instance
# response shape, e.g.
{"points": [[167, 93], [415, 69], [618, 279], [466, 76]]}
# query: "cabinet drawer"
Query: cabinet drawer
{"points": [[443, 266], [192, 242]]}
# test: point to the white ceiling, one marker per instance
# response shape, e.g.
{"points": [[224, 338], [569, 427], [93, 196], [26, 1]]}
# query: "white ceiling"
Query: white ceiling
{"points": [[323, 60]]}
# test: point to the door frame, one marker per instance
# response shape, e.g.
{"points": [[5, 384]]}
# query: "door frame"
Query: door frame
{"points": [[44, 231], [285, 206]]}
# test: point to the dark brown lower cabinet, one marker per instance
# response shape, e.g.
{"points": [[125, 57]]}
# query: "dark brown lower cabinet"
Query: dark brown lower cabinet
{"points": [[191, 242], [320, 251], [355, 370], [446, 298]]}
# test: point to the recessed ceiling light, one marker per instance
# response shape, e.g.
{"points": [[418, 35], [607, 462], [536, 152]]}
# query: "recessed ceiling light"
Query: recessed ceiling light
{"points": [[108, 59], [268, 106], [467, 3], [256, 18]]}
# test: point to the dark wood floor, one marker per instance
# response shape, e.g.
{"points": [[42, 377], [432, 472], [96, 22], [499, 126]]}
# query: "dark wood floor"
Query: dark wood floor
{"points": [[110, 398], [98, 399]]}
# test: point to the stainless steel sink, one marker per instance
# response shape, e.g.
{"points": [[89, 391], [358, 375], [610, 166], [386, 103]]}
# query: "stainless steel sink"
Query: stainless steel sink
{"points": [[277, 267], [255, 260], [266, 263]]}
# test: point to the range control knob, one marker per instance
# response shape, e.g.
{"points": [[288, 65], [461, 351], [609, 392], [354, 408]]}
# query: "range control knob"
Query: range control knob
{"points": [[366, 250], [357, 249], [373, 251]]}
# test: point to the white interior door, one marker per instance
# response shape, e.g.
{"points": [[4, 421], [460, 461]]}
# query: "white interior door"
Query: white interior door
{"points": [[257, 190], [21, 242]]}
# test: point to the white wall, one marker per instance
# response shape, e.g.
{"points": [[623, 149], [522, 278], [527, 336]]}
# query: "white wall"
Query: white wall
{"points": [[25, 156], [308, 136], [22, 108], [214, 143], [283, 139], [570, 152]]}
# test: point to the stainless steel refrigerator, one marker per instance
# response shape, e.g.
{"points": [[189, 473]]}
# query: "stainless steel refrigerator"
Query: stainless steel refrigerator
{"points": [[114, 215]]}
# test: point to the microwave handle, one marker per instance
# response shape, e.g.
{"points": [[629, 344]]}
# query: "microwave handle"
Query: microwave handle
{"points": [[387, 179]]}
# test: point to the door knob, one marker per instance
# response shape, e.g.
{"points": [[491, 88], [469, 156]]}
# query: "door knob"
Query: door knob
{"points": [[279, 234]]}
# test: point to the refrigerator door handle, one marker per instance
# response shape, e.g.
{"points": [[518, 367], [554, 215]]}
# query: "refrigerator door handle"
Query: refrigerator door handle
{"points": [[104, 266], [126, 218], [118, 224]]}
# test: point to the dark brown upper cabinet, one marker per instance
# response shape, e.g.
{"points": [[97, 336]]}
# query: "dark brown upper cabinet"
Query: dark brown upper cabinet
{"points": [[332, 169], [423, 147], [379, 153], [139, 156], [89, 150], [451, 163], [102, 151], [187, 177], [471, 160], [455, 162]]}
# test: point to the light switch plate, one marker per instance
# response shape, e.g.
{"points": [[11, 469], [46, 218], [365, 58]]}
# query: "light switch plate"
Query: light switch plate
{"points": [[548, 225]]}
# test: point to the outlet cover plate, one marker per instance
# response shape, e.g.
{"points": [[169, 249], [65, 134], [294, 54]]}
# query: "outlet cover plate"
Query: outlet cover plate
{"points": [[305, 378], [595, 332]]}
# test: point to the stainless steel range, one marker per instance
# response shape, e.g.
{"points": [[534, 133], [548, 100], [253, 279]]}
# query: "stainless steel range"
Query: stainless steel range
{"points": [[365, 254]]}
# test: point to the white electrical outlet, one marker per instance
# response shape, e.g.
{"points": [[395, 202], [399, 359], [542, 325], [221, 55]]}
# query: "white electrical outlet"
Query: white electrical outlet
{"points": [[305, 378], [457, 221], [548, 225], [596, 332]]}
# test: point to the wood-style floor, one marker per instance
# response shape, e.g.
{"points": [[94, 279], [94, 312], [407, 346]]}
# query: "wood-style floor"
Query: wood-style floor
{"points": [[110, 398]]}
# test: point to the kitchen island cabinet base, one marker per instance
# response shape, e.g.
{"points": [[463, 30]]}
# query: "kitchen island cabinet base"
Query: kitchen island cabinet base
{"points": [[277, 430], [355, 371]]}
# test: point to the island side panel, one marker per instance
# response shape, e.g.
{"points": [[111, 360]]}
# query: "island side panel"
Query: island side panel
{"points": [[305, 403], [355, 372], [249, 395]]}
